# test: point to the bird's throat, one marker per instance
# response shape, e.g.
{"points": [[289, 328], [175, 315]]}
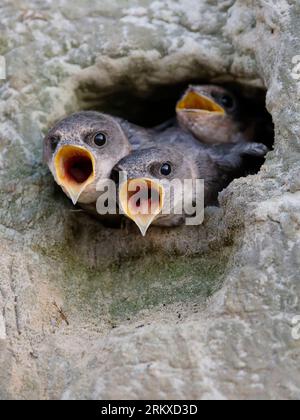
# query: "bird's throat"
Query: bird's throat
{"points": [[142, 201], [75, 170]]}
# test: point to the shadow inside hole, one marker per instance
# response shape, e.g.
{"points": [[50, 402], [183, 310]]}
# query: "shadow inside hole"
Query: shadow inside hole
{"points": [[147, 110]]}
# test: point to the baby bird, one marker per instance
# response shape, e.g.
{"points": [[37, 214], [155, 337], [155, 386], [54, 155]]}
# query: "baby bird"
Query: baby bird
{"points": [[214, 115], [82, 149], [146, 195]]}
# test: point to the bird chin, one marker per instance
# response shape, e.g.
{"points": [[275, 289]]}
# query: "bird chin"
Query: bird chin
{"points": [[194, 102], [85, 195], [142, 201], [74, 170], [209, 128]]}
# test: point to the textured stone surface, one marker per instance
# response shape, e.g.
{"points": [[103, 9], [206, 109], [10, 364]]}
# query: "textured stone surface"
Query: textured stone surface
{"points": [[185, 313]]}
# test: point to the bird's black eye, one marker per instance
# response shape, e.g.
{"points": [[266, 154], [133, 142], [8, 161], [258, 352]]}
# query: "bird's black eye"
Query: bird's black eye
{"points": [[166, 169], [227, 101], [100, 139], [54, 140]]}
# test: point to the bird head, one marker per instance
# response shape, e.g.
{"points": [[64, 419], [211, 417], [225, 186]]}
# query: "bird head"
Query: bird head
{"points": [[146, 188], [209, 112], [81, 150]]}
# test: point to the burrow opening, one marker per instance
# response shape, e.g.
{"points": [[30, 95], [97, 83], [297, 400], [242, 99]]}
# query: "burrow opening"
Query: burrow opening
{"points": [[157, 106], [129, 255]]}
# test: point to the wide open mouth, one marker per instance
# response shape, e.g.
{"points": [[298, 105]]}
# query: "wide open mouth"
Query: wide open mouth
{"points": [[193, 101], [141, 200], [75, 169]]}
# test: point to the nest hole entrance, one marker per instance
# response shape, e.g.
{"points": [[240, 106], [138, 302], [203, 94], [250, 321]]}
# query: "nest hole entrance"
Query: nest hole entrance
{"points": [[184, 275], [158, 106]]}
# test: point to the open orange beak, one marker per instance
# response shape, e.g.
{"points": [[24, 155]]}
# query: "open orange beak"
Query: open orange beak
{"points": [[75, 170], [142, 200], [195, 102]]}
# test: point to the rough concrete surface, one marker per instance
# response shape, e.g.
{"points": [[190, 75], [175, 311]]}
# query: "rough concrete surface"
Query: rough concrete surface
{"points": [[92, 312]]}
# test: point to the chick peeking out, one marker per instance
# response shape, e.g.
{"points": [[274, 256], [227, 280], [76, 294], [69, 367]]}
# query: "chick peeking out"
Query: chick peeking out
{"points": [[147, 195], [81, 150], [217, 115]]}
